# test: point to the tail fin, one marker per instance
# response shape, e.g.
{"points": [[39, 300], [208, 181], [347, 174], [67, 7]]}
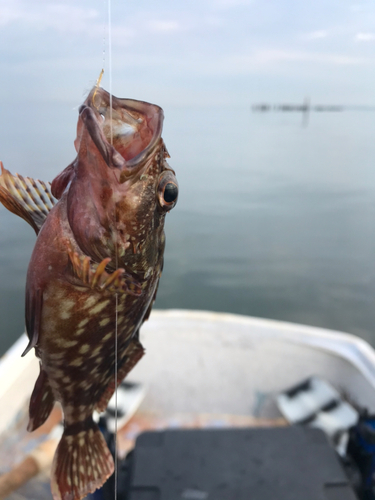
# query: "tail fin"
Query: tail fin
{"points": [[82, 462]]}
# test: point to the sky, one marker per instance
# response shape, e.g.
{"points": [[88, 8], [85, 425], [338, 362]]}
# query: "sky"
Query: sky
{"points": [[197, 52], [195, 55]]}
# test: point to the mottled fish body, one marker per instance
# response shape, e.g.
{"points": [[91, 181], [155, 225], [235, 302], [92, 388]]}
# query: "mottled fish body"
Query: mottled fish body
{"points": [[98, 257]]}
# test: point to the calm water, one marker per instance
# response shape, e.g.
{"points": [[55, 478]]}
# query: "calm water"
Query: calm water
{"points": [[273, 220]]}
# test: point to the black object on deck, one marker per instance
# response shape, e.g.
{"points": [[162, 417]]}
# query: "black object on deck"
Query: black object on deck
{"points": [[291, 463]]}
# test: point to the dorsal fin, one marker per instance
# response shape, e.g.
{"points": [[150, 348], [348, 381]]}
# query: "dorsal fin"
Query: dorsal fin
{"points": [[28, 198]]}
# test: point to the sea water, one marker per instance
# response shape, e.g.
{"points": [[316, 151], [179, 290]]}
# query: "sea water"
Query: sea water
{"points": [[275, 218]]}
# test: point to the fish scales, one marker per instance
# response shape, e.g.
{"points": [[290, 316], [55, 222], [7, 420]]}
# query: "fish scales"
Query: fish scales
{"points": [[98, 257]]}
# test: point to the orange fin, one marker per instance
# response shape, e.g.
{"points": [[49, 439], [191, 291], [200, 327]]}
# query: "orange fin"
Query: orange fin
{"points": [[41, 402], [34, 304], [82, 462], [95, 275], [133, 354], [28, 198]]}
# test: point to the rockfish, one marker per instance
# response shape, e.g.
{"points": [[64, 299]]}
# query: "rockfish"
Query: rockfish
{"points": [[98, 258]]}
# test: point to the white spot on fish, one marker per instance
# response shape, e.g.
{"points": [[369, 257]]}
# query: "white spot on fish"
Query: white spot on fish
{"points": [[106, 337], [65, 315], [56, 355], [66, 380], [99, 307], [67, 304], [79, 331], [96, 351], [149, 272], [104, 321], [83, 322], [84, 348], [61, 342], [90, 302], [76, 362]]}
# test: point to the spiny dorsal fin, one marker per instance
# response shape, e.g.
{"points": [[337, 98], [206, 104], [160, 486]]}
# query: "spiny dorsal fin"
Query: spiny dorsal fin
{"points": [[28, 198]]}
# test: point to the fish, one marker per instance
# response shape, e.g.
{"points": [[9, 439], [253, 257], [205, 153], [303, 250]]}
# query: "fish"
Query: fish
{"points": [[93, 274]]}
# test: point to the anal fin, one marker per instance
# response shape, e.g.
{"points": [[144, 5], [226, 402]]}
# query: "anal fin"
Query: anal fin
{"points": [[133, 354], [41, 402]]}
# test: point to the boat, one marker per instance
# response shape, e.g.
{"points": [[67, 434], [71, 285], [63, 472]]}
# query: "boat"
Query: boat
{"points": [[202, 370]]}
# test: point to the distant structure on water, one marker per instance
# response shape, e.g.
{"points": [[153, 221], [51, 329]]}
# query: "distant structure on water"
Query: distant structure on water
{"points": [[305, 108]]}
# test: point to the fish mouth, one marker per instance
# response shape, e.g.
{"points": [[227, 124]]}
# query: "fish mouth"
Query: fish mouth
{"points": [[125, 131]]}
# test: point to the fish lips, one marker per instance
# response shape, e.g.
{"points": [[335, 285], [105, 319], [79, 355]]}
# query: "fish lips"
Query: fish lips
{"points": [[125, 131]]}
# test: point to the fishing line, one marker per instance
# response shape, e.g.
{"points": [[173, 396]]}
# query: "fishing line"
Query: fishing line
{"points": [[116, 243], [109, 14]]}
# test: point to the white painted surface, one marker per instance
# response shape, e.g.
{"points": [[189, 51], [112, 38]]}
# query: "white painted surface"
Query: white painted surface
{"points": [[17, 379], [220, 363]]}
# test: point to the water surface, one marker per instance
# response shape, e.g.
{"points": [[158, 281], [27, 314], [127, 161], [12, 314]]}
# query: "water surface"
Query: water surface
{"points": [[274, 219]]}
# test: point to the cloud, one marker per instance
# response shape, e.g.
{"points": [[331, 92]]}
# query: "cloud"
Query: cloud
{"points": [[315, 35], [228, 4], [364, 37], [9, 12], [164, 26], [62, 17], [272, 57]]}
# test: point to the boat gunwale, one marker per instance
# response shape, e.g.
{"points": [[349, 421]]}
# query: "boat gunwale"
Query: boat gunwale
{"points": [[349, 347]]}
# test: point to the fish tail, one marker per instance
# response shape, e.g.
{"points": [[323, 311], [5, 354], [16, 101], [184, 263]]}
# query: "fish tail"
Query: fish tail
{"points": [[82, 462]]}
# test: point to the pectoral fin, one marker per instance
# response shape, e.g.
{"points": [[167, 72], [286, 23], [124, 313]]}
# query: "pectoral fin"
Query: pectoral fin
{"points": [[95, 275], [34, 304], [28, 198]]}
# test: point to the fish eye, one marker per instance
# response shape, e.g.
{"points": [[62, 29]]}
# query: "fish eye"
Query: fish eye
{"points": [[167, 190], [170, 192]]}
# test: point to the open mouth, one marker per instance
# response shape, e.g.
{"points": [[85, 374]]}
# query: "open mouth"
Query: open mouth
{"points": [[131, 127]]}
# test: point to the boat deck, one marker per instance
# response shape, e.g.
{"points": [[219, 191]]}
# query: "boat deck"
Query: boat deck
{"points": [[16, 443]]}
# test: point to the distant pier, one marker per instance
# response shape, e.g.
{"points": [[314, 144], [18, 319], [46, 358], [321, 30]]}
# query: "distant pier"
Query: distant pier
{"points": [[302, 108], [305, 108]]}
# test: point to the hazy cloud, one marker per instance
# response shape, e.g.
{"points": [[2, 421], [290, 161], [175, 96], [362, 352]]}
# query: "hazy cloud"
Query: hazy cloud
{"points": [[365, 37], [315, 35], [164, 26], [218, 46], [227, 4]]}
